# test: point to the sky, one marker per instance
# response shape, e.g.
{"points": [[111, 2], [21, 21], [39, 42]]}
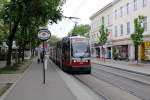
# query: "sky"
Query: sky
{"points": [[82, 9]]}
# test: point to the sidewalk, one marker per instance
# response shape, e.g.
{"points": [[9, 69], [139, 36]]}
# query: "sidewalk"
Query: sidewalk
{"points": [[59, 86], [2, 64], [31, 87], [126, 65]]}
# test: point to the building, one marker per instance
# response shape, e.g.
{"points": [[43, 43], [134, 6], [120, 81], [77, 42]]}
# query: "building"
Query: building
{"points": [[105, 12], [124, 13], [121, 15]]}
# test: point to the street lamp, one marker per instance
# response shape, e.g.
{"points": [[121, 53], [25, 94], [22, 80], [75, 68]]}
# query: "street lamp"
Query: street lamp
{"points": [[74, 20]]}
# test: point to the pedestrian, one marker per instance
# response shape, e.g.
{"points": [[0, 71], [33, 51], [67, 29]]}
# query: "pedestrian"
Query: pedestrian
{"points": [[42, 56], [39, 54]]}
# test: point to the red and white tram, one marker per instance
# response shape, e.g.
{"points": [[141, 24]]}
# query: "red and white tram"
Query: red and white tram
{"points": [[72, 54]]}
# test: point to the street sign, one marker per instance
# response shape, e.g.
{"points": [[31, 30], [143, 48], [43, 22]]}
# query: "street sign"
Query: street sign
{"points": [[44, 34]]}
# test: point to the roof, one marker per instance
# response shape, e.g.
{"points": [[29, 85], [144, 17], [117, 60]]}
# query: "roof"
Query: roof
{"points": [[102, 10]]}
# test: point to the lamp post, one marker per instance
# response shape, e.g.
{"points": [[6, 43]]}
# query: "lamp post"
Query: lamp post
{"points": [[75, 20]]}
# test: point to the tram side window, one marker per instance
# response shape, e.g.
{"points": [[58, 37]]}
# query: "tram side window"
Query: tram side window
{"points": [[66, 50]]}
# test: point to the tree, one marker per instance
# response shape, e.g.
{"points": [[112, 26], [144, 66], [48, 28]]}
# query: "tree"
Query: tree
{"points": [[80, 29], [53, 40], [16, 13], [3, 27], [137, 36], [102, 37], [3, 32]]}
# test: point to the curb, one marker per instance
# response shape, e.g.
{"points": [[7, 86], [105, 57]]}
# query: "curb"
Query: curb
{"points": [[136, 72], [14, 84], [77, 88]]}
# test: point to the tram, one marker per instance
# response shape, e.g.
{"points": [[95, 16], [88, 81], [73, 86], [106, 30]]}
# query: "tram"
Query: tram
{"points": [[72, 54]]}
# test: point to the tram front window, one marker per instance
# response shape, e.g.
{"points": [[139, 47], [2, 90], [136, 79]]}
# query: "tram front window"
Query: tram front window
{"points": [[80, 49]]}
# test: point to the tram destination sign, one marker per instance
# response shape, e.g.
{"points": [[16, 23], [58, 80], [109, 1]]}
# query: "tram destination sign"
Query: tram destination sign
{"points": [[44, 34]]}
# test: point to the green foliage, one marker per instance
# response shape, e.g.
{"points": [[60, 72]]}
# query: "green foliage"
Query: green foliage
{"points": [[137, 37], [24, 17], [103, 36], [3, 32], [80, 29], [3, 27], [53, 40]]}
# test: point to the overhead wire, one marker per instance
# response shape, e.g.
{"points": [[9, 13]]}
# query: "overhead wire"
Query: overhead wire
{"points": [[82, 4]]}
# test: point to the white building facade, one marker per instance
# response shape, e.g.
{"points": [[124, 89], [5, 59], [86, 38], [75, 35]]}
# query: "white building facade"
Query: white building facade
{"points": [[96, 21], [124, 13], [121, 15]]}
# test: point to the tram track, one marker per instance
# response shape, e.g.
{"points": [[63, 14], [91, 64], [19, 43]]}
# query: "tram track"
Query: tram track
{"points": [[132, 83], [90, 87], [104, 89]]}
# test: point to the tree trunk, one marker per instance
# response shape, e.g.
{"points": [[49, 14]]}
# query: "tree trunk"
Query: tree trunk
{"points": [[21, 43], [136, 53], [33, 52], [23, 49], [19, 55], [10, 40]]}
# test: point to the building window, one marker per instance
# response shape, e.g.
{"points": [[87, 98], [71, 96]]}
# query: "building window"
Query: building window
{"points": [[144, 3], [128, 27], [116, 31], [127, 8], [121, 29], [145, 23], [135, 5], [121, 11], [115, 14], [97, 34]]}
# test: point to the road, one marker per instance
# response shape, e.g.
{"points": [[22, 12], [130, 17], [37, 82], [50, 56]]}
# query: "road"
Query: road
{"points": [[115, 84]]}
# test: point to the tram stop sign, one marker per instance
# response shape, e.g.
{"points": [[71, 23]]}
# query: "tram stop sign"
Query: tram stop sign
{"points": [[44, 34]]}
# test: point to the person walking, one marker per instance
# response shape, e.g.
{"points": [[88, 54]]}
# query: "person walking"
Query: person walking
{"points": [[39, 50]]}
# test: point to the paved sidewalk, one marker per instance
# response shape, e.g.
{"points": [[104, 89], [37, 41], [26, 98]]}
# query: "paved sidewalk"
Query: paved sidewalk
{"points": [[31, 87], [130, 66], [2, 64]]}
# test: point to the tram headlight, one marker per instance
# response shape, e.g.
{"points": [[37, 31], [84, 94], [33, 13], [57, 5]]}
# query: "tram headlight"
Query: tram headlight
{"points": [[74, 61], [85, 60]]}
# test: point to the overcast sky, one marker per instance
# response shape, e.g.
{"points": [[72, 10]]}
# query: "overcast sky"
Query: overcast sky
{"points": [[82, 9]]}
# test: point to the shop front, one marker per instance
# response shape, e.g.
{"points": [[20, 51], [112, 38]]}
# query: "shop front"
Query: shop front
{"points": [[95, 50], [109, 56], [145, 51], [120, 52]]}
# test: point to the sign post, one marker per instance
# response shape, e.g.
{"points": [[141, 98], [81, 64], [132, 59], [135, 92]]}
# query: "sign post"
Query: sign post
{"points": [[44, 35]]}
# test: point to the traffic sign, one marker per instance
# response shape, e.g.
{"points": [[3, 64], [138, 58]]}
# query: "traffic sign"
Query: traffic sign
{"points": [[44, 34]]}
